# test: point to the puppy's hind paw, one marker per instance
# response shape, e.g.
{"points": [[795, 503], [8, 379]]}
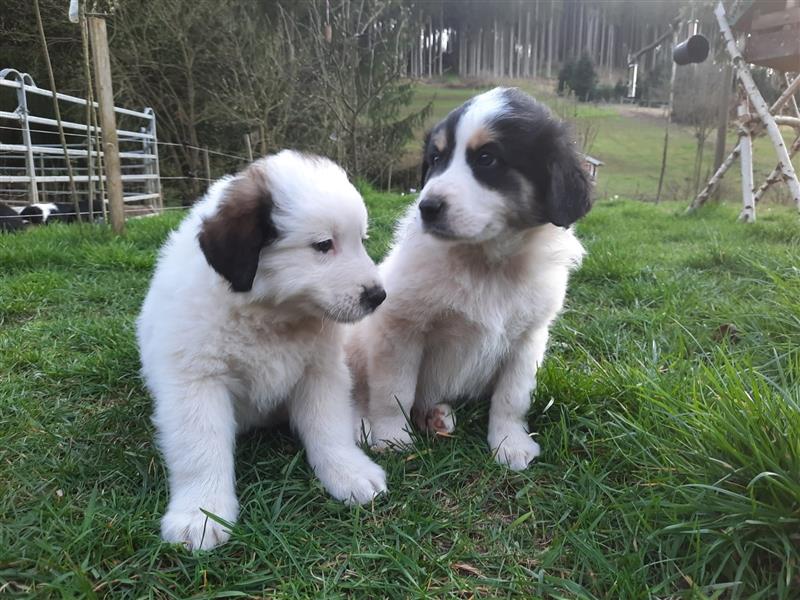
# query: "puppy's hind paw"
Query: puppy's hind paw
{"points": [[441, 420]]}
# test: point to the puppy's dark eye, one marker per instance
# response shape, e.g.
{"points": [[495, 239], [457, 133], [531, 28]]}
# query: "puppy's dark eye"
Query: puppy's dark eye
{"points": [[323, 246], [486, 159], [435, 156]]}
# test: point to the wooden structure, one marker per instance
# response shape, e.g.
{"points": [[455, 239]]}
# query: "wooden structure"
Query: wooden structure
{"points": [[591, 165], [774, 34], [772, 39]]}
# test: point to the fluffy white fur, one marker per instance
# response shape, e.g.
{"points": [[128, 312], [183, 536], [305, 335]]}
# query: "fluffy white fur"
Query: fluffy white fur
{"points": [[467, 315], [218, 362]]}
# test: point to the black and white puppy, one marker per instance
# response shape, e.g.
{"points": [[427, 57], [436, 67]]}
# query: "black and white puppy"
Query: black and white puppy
{"points": [[242, 324], [476, 276]]}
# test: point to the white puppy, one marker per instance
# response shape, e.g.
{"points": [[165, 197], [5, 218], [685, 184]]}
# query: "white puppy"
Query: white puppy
{"points": [[477, 274], [241, 325]]}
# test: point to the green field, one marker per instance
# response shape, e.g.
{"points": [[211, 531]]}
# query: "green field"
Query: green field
{"points": [[668, 412], [628, 141]]}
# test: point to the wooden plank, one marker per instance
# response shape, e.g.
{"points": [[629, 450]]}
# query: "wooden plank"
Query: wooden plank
{"points": [[775, 19], [777, 50]]}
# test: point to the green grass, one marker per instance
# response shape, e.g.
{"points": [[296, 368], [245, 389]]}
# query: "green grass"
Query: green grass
{"points": [[670, 464], [630, 146]]}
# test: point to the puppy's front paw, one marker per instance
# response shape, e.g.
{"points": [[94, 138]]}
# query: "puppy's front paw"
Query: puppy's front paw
{"points": [[351, 477], [513, 447], [393, 435], [191, 527]]}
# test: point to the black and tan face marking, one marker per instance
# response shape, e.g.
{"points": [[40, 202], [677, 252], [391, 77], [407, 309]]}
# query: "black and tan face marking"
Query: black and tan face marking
{"points": [[440, 143], [513, 146]]}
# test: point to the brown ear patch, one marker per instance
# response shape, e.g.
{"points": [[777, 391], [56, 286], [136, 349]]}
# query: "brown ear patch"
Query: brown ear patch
{"points": [[233, 237]]}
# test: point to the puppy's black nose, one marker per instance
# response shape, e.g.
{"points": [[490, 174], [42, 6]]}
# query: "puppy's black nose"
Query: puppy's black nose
{"points": [[372, 297], [431, 208]]}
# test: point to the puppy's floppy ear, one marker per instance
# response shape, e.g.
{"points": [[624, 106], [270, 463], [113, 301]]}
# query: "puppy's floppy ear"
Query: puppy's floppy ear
{"points": [[569, 193], [233, 237]]}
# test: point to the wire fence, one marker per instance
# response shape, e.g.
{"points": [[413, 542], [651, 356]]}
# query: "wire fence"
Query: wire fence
{"points": [[36, 167]]}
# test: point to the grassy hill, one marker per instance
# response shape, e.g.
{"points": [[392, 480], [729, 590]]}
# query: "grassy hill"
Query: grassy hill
{"points": [[628, 140], [668, 412]]}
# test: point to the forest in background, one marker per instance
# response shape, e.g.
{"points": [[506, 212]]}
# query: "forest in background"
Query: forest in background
{"points": [[335, 76]]}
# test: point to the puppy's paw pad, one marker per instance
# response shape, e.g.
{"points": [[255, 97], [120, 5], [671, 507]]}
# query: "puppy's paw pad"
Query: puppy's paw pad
{"points": [[515, 450], [193, 529], [441, 420]]}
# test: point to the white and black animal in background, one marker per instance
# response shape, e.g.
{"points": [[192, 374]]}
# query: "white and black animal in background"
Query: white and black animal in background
{"points": [[50, 212], [242, 327], [476, 276]]}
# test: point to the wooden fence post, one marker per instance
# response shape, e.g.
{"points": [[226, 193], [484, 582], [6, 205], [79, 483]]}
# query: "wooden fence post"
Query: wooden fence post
{"points": [[108, 121], [207, 165]]}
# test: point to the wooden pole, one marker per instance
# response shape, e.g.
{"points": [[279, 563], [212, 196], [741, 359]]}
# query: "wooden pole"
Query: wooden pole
{"points": [[108, 121], [87, 72], [748, 214], [666, 125], [207, 165], [57, 110], [775, 175]]}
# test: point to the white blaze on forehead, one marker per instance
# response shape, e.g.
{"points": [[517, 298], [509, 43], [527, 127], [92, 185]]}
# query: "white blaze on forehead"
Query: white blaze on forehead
{"points": [[312, 195], [479, 113]]}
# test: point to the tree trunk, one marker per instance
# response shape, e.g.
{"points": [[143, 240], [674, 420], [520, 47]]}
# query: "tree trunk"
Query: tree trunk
{"points": [[722, 116], [550, 45], [602, 56], [479, 61], [429, 42], [495, 45], [511, 42], [420, 38], [441, 37]]}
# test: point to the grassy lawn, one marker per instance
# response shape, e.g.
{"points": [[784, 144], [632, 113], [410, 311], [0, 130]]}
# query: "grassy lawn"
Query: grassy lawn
{"points": [[668, 412], [630, 146]]}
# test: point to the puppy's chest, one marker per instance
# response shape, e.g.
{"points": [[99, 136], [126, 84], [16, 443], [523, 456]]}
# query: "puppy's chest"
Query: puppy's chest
{"points": [[267, 359], [469, 341]]}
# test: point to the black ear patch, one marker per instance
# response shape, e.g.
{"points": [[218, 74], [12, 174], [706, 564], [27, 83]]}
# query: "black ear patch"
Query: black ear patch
{"points": [[232, 238], [569, 191]]}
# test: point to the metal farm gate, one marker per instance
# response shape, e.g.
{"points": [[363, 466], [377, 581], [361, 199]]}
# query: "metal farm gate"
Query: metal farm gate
{"points": [[33, 165]]}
